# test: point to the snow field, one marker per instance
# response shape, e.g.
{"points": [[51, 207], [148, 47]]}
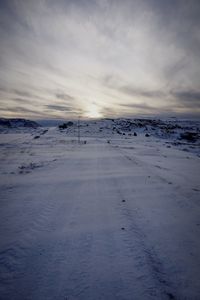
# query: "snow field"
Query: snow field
{"points": [[116, 220]]}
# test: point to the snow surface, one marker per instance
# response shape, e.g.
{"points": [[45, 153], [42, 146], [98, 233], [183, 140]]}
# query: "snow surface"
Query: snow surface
{"points": [[115, 218]]}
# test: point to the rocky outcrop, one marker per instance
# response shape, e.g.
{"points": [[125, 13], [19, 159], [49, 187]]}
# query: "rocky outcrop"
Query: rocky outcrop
{"points": [[18, 123]]}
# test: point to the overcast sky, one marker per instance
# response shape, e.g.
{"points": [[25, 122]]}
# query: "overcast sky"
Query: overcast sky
{"points": [[99, 58]]}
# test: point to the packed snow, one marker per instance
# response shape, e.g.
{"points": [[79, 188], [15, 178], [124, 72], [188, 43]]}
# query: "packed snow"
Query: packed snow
{"points": [[116, 216]]}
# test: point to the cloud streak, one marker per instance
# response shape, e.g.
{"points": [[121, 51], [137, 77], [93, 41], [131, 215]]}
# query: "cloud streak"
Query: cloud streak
{"points": [[59, 108]]}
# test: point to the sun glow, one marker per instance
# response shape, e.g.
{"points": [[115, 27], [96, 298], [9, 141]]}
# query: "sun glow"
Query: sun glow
{"points": [[93, 112]]}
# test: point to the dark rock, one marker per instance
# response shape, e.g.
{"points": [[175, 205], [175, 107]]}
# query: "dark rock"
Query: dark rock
{"points": [[5, 123], [135, 134], [170, 295], [147, 135], [44, 131], [16, 123], [119, 132], [189, 136], [63, 126], [66, 125]]}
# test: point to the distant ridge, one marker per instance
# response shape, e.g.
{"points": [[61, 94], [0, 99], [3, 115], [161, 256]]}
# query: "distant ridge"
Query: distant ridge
{"points": [[16, 123]]}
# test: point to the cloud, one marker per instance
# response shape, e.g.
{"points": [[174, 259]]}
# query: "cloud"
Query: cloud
{"points": [[131, 91], [142, 106], [58, 108], [21, 110], [103, 51], [109, 112], [189, 99], [64, 96], [145, 109], [20, 100], [21, 93]]}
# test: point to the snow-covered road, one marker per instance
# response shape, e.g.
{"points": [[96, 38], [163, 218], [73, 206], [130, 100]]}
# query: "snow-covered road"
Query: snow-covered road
{"points": [[105, 221]]}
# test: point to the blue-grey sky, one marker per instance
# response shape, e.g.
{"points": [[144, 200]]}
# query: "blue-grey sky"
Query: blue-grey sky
{"points": [[99, 58]]}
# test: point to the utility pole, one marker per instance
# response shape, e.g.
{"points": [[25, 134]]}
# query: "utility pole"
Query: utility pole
{"points": [[79, 137]]}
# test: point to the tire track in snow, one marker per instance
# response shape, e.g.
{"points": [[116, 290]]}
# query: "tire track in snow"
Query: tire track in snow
{"points": [[131, 277], [136, 236], [150, 257]]}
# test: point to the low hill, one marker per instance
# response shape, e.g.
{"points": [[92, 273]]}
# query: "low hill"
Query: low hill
{"points": [[17, 123]]}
